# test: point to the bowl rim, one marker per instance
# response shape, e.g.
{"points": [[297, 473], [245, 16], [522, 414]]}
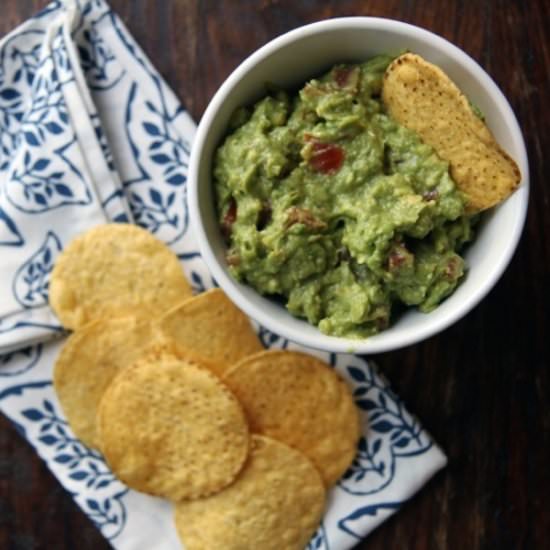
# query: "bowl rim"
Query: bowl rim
{"points": [[332, 343]]}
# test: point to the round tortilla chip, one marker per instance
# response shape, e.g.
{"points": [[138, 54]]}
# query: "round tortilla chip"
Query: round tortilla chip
{"points": [[301, 401], [276, 502], [112, 270], [421, 97], [88, 362], [211, 325], [169, 427]]}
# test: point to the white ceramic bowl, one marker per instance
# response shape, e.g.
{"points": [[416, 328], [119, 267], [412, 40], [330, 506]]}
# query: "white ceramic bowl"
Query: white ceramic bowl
{"points": [[290, 60]]}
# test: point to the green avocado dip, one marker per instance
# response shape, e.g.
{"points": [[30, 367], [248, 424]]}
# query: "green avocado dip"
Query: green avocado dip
{"points": [[330, 205]]}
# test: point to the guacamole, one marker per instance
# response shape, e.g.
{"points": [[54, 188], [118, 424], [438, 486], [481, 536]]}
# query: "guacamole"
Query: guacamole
{"points": [[330, 205]]}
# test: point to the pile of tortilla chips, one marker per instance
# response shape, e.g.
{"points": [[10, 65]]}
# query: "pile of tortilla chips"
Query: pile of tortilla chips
{"points": [[180, 397]]}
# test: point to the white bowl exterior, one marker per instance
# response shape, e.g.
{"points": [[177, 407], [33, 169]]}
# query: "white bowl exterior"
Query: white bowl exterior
{"points": [[290, 60]]}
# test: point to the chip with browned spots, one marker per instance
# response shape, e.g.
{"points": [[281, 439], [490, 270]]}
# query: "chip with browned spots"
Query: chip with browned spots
{"points": [[212, 326], [421, 97], [168, 427], [276, 503], [88, 362], [112, 270], [302, 401]]}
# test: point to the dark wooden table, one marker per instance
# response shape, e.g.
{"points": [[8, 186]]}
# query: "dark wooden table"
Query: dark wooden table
{"points": [[482, 387]]}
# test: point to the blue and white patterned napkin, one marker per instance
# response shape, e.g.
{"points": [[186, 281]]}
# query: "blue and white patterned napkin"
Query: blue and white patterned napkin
{"points": [[89, 133]]}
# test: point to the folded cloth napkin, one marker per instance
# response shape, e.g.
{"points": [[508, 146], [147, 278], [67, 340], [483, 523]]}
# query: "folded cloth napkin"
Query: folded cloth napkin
{"points": [[90, 133]]}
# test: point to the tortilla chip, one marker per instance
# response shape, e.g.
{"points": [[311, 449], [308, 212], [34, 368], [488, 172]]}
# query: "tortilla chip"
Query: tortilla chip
{"points": [[212, 326], [112, 270], [88, 362], [421, 97], [276, 503], [301, 401], [169, 427]]}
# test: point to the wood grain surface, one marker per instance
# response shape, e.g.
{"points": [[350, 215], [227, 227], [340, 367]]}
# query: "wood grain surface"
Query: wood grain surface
{"points": [[481, 387]]}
